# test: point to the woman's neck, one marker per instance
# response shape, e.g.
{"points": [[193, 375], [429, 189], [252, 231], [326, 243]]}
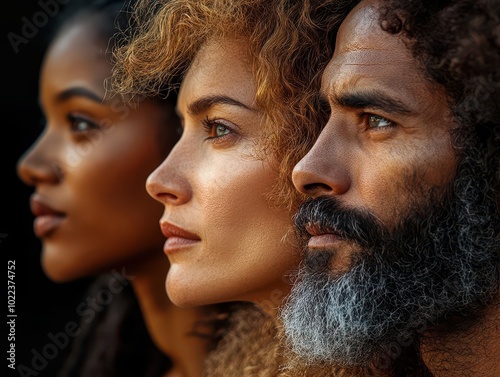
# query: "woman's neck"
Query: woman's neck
{"points": [[169, 325]]}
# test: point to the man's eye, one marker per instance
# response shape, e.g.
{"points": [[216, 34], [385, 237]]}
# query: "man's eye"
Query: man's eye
{"points": [[376, 121]]}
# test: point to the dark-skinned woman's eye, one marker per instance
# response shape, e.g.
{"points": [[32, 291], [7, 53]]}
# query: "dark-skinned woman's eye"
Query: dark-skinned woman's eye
{"points": [[81, 124]]}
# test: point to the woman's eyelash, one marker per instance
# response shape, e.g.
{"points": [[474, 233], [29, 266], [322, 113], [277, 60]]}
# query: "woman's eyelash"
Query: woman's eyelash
{"points": [[212, 126], [208, 123]]}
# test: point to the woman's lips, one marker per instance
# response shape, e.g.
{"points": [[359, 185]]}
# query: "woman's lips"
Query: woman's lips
{"points": [[174, 243], [177, 238], [47, 219], [46, 224]]}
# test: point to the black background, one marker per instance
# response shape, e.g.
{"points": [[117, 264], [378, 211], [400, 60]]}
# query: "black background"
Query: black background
{"points": [[42, 307]]}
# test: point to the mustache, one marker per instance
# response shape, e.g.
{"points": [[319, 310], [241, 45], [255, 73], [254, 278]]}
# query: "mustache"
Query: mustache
{"points": [[327, 215]]}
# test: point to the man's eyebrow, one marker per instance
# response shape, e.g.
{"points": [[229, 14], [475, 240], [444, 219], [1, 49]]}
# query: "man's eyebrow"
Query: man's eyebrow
{"points": [[79, 92], [203, 104], [372, 100]]}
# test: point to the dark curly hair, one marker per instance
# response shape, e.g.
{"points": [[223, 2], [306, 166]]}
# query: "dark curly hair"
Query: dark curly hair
{"points": [[116, 342], [457, 42]]}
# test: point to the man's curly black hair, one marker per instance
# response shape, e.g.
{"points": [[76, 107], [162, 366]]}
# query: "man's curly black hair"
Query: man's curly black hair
{"points": [[458, 44]]}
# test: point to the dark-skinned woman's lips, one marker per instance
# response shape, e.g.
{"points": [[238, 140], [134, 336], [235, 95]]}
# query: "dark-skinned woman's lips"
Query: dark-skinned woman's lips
{"points": [[47, 219]]}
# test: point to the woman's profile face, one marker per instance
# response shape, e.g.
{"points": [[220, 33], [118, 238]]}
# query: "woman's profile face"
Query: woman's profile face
{"points": [[90, 164], [224, 241]]}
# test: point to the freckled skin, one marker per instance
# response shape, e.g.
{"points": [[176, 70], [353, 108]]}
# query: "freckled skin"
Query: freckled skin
{"points": [[216, 189], [110, 220], [369, 168]]}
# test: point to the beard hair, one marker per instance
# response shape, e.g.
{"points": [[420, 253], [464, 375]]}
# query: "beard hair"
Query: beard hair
{"points": [[441, 260]]}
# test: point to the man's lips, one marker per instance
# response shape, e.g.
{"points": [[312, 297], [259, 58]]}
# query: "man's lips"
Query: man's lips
{"points": [[47, 219], [321, 238], [323, 241], [176, 237]]}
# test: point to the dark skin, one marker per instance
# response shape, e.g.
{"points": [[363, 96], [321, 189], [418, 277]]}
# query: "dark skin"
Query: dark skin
{"points": [[385, 119], [105, 219], [388, 121]]}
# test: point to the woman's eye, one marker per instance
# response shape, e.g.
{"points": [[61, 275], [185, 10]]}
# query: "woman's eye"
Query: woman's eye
{"points": [[216, 130], [81, 125], [376, 121], [221, 131]]}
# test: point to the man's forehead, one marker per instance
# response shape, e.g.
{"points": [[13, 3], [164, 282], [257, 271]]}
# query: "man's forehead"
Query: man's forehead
{"points": [[359, 24], [363, 49], [361, 30]]}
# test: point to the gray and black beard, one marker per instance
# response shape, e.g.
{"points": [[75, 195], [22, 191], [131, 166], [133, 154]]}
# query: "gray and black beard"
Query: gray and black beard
{"points": [[441, 260]]}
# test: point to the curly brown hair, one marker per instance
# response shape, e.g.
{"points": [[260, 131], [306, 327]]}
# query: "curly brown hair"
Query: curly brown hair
{"points": [[290, 42], [251, 348]]}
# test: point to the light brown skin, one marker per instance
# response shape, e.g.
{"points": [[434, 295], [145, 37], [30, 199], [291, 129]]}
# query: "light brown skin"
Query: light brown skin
{"points": [[361, 162], [216, 189], [109, 221]]}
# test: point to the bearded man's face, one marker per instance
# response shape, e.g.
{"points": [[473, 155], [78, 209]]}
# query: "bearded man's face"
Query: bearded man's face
{"points": [[399, 232]]}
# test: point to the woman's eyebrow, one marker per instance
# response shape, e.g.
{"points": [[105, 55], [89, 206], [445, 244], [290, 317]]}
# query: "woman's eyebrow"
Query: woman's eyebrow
{"points": [[204, 103], [79, 92]]}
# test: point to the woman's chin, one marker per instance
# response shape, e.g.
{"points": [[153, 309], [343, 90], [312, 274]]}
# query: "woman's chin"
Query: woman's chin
{"points": [[59, 272]]}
